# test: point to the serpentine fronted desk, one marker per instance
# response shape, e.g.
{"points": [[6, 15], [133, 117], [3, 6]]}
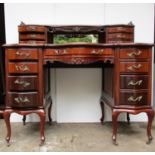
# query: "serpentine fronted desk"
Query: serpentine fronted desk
{"points": [[126, 88]]}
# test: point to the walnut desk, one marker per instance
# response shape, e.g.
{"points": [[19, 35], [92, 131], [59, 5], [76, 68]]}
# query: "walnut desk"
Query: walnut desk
{"points": [[126, 70], [126, 86]]}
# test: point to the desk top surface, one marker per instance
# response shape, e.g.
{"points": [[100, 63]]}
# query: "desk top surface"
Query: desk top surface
{"points": [[80, 45]]}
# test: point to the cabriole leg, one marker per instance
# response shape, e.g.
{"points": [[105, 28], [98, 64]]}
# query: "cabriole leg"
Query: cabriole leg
{"points": [[49, 111], [115, 125], [6, 115], [150, 115], [102, 111], [41, 114]]}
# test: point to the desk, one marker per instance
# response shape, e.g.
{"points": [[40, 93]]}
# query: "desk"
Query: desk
{"points": [[126, 71], [129, 92]]}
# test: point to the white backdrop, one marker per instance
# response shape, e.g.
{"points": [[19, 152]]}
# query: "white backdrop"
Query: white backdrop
{"points": [[76, 92]]}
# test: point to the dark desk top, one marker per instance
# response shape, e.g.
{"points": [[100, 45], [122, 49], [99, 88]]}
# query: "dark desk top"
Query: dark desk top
{"points": [[80, 45]]}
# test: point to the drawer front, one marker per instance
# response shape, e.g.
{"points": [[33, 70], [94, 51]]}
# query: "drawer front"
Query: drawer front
{"points": [[120, 36], [132, 67], [80, 51], [19, 67], [115, 40], [32, 36], [32, 42], [134, 53], [22, 54], [120, 29], [23, 83], [133, 98], [133, 82], [23, 99], [31, 28]]}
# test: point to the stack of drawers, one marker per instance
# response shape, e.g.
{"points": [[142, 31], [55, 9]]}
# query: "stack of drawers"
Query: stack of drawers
{"points": [[119, 34], [22, 77], [32, 34], [135, 76]]}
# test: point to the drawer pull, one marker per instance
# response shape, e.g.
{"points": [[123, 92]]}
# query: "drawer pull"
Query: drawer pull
{"points": [[21, 99], [32, 28], [22, 68], [134, 53], [64, 51], [24, 83], [97, 51], [33, 35], [22, 54], [137, 99], [56, 51], [134, 67], [132, 83]]}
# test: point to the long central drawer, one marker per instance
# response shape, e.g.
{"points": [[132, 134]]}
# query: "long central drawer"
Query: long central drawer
{"points": [[80, 51]]}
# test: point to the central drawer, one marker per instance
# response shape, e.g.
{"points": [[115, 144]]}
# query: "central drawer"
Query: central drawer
{"points": [[22, 67], [80, 51], [22, 100], [23, 83], [133, 67]]}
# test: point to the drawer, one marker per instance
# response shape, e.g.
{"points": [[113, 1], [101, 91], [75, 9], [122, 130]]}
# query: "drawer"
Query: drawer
{"points": [[134, 98], [134, 53], [31, 28], [23, 83], [32, 36], [136, 67], [80, 51], [32, 42], [120, 29], [22, 67], [118, 40], [133, 81], [23, 100], [22, 54], [126, 36]]}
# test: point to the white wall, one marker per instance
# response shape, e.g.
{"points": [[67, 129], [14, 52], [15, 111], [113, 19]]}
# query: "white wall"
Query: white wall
{"points": [[76, 92]]}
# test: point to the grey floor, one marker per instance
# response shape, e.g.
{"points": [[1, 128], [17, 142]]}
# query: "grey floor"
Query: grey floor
{"points": [[77, 137]]}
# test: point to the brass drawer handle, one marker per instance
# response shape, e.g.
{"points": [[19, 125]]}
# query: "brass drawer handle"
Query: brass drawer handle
{"points": [[22, 82], [18, 53], [56, 51], [137, 99], [132, 83], [32, 28], [22, 68], [64, 51], [33, 35], [21, 99], [135, 67], [134, 53], [100, 51], [61, 52]]}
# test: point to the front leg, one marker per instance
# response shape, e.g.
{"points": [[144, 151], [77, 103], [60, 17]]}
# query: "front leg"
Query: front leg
{"points": [[115, 114], [6, 115], [150, 114], [24, 120], [102, 111], [41, 114], [49, 110]]}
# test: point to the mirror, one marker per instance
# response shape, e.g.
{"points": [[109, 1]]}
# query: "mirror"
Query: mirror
{"points": [[72, 38]]}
